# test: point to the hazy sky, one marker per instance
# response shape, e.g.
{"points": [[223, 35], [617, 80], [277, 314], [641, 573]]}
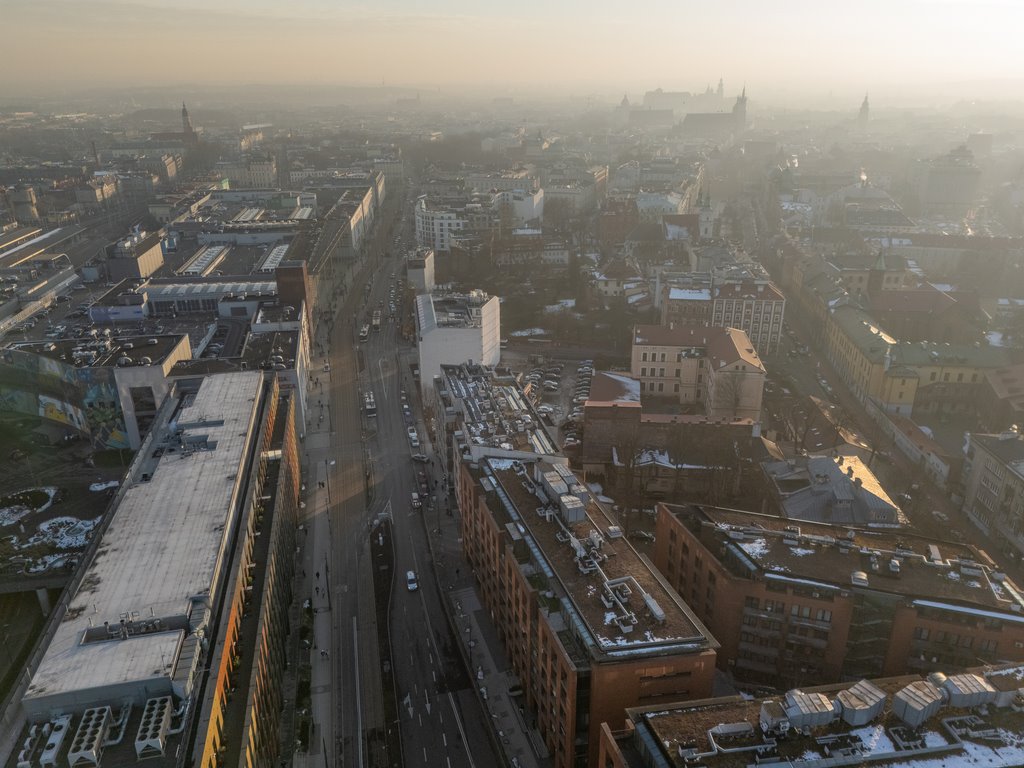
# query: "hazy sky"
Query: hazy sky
{"points": [[605, 46]]}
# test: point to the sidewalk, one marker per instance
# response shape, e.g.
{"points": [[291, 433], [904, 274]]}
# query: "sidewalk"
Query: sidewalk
{"points": [[481, 650]]}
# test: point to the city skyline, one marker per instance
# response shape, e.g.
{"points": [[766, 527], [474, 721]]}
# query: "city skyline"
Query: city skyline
{"points": [[946, 47]]}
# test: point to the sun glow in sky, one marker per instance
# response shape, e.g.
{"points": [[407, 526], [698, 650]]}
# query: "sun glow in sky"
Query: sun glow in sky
{"points": [[576, 44]]}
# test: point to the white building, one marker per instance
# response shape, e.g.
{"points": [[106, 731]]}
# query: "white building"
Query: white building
{"points": [[457, 328], [523, 207], [435, 227], [420, 270]]}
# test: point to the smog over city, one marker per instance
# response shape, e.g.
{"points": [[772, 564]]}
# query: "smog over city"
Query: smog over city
{"points": [[539, 385]]}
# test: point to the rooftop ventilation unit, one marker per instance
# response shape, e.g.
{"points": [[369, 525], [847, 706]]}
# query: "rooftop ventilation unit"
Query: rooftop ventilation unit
{"points": [[968, 690], [917, 702], [153, 728], [861, 703], [55, 740], [87, 746], [809, 710]]}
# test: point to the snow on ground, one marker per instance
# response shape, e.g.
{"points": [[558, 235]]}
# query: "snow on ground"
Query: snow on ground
{"points": [[104, 486], [16, 512], [529, 332]]}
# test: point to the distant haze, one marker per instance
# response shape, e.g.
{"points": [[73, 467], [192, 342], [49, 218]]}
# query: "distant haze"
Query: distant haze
{"points": [[818, 48]]}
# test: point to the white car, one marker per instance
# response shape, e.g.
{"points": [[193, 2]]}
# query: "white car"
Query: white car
{"points": [[410, 581]]}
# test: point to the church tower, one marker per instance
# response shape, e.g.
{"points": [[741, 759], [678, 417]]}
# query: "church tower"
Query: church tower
{"points": [[862, 116], [705, 215], [187, 131], [721, 89], [739, 111]]}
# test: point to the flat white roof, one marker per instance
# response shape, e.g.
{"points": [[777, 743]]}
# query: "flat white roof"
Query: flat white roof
{"points": [[161, 550]]}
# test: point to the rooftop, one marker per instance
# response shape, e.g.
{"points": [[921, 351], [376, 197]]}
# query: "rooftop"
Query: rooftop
{"points": [[494, 413], [148, 588], [858, 326], [723, 345], [839, 490], [689, 294], [866, 724], [103, 351], [450, 310], [932, 353], [618, 603], [607, 387], [954, 576]]}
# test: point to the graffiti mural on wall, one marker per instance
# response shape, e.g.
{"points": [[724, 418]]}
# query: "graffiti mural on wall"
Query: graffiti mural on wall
{"points": [[85, 399]]}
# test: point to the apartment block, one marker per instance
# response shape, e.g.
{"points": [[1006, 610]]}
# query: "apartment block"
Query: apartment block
{"points": [[589, 627], [800, 603]]}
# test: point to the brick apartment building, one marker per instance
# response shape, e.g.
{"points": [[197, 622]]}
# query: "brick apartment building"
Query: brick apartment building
{"points": [[795, 604], [589, 626]]}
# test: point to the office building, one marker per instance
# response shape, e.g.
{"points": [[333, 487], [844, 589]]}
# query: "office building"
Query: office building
{"points": [[794, 603], [457, 328], [152, 645]]}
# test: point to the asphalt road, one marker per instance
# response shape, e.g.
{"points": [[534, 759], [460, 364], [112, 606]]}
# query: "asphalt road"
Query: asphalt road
{"points": [[373, 475]]}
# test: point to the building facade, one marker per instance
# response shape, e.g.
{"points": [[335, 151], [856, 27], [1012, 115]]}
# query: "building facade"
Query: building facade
{"points": [[712, 370], [798, 603]]}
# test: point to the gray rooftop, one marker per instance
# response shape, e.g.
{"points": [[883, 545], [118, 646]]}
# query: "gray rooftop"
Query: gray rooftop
{"points": [[160, 554]]}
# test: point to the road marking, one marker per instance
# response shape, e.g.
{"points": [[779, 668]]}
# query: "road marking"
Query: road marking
{"points": [[359, 706], [458, 722], [424, 754]]}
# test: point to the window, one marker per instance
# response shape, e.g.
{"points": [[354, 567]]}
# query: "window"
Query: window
{"points": [[934, 376], [823, 614], [663, 358], [677, 388], [661, 371], [945, 377], [959, 377], [677, 372], [643, 371], [987, 646], [751, 602], [661, 387], [643, 357]]}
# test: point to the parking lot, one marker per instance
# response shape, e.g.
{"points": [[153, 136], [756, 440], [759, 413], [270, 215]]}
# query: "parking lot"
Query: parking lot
{"points": [[561, 388]]}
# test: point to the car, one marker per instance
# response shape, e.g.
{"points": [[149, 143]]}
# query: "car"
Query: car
{"points": [[938, 514], [421, 458], [545, 409], [411, 582]]}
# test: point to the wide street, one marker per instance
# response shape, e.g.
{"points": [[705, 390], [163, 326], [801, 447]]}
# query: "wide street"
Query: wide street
{"points": [[365, 465]]}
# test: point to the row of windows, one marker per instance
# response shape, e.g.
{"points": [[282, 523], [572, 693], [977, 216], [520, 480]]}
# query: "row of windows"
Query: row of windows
{"points": [[661, 373], [985, 645], [653, 358]]}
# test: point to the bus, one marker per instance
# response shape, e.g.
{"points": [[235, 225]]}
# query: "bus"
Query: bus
{"points": [[376, 320], [369, 403], [364, 333]]}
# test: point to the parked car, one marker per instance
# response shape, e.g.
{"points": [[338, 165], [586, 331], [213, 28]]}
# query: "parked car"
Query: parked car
{"points": [[420, 458]]}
